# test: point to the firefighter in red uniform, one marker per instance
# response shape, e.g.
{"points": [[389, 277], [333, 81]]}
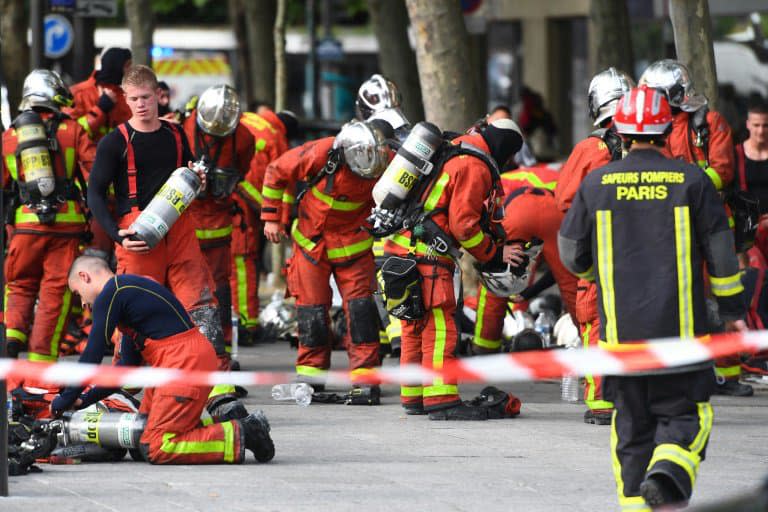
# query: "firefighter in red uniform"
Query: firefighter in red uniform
{"points": [[700, 136], [271, 132], [159, 333], [137, 160], [228, 149], [464, 191], [600, 148], [329, 239], [45, 153], [529, 213]]}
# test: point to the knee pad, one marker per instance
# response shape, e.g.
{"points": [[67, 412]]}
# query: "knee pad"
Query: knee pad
{"points": [[364, 322], [207, 319], [313, 326]]}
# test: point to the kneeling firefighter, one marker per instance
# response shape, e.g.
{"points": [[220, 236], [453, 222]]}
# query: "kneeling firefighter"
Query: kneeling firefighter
{"points": [[437, 198], [329, 239], [160, 333], [44, 155]]}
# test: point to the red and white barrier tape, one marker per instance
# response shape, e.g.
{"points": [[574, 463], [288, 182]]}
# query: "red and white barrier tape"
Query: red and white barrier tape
{"points": [[520, 366]]}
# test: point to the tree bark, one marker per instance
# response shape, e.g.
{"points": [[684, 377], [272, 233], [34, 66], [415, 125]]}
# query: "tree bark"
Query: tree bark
{"points": [[141, 21], [281, 75], [450, 93], [243, 70], [397, 60], [260, 21], [609, 36], [15, 52], [693, 44]]}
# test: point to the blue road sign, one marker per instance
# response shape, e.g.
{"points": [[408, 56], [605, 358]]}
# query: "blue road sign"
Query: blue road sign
{"points": [[59, 36]]}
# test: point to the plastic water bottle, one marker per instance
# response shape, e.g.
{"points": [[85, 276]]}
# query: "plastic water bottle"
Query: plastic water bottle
{"points": [[235, 320], [543, 326], [301, 392], [9, 409], [569, 388]]}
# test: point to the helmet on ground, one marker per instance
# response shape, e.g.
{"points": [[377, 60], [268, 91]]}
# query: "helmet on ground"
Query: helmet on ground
{"points": [[363, 147], [605, 89], [643, 111], [44, 88], [527, 339], [674, 79], [218, 110], [376, 94]]}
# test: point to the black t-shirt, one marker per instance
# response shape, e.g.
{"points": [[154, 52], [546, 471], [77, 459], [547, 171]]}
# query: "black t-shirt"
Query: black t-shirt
{"points": [[156, 159], [756, 174]]}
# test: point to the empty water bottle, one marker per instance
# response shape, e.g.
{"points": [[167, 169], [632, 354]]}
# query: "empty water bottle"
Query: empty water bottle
{"points": [[569, 388], [543, 325], [301, 392], [9, 409]]}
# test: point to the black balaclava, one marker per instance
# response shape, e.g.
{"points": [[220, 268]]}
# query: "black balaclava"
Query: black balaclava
{"points": [[290, 122], [112, 63], [504, 140]]}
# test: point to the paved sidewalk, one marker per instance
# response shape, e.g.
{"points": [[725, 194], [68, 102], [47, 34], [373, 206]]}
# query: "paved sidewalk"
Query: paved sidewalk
{"points": [[344, 458]]}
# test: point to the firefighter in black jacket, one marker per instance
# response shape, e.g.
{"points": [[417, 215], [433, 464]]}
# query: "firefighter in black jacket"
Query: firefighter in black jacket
{"points": [[643, 227]]}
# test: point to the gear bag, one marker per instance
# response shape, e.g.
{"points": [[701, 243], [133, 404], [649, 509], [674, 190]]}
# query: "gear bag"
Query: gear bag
{"points": [[498, 403], [402, 288]]}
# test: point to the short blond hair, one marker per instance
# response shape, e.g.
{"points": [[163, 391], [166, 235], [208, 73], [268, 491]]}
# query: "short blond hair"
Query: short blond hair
{"points": [[140, 75]]}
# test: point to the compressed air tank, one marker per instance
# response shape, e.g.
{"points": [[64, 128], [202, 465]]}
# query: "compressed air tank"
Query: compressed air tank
{"points": [[106, 429], [408, 165], [33, 152], [175, 196]]}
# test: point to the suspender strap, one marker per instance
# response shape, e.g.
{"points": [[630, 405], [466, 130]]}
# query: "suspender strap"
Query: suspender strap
{"points": [[741, 166], [131, 159]]}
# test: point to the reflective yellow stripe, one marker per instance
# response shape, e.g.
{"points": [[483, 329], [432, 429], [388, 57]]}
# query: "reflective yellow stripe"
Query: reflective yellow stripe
{"points": [[394, 328], [10, 162], [441, 390], [221, 389], [210, 234], [251, 191], [83, 121], [69, 159], [530, 178], [272, 193], [728, 371], [15, 334], [225, 446], [378, 247], [588, 275], [590, 401], [260, 145], [411, 391], [709, 171], [633, 504], [476, 240], [679, 456], [59, 329], [358, 372], [731, 222], [705, 427], [336, 204], [288, 198], [726, 286], [303, 242], [71, 216], [422, 249], [436, 192], [40, 358], [310, 371], [350, 250], [478, 339], [605, 270], [241, 272], [684, 272], [616, 466]]}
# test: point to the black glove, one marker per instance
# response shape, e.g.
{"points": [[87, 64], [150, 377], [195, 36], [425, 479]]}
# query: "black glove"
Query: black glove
{"points": [[105, 103], [12, 348]]}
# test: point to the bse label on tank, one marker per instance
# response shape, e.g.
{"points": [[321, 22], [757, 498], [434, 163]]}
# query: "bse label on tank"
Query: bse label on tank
{"points": [[92, 420], [174, 197]]}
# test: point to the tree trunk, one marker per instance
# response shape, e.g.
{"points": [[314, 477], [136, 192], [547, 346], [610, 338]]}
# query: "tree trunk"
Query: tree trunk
{"points": [[260, 21], [609, 36], [397, 60], [450, 93], [693, 44], [141, 21], [243, 67], [281, 89], [15, 52]]}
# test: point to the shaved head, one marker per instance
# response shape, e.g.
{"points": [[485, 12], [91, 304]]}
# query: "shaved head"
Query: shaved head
{"points": [[90, 264], [87, 277]]}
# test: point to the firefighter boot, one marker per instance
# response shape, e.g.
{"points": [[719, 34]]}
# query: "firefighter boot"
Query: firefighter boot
{"points": [[598, 417], [733, 387], [255, 429], [658, 490], [461, 412]]}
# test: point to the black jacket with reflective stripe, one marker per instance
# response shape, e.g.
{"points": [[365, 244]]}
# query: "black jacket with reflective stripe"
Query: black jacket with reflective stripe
{"points": [[645, 225]]}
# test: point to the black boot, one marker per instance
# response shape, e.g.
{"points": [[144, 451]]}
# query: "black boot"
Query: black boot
{"points": [[256, 433], [598, 417], [734, 388], [461, 412], [659, 490]]}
